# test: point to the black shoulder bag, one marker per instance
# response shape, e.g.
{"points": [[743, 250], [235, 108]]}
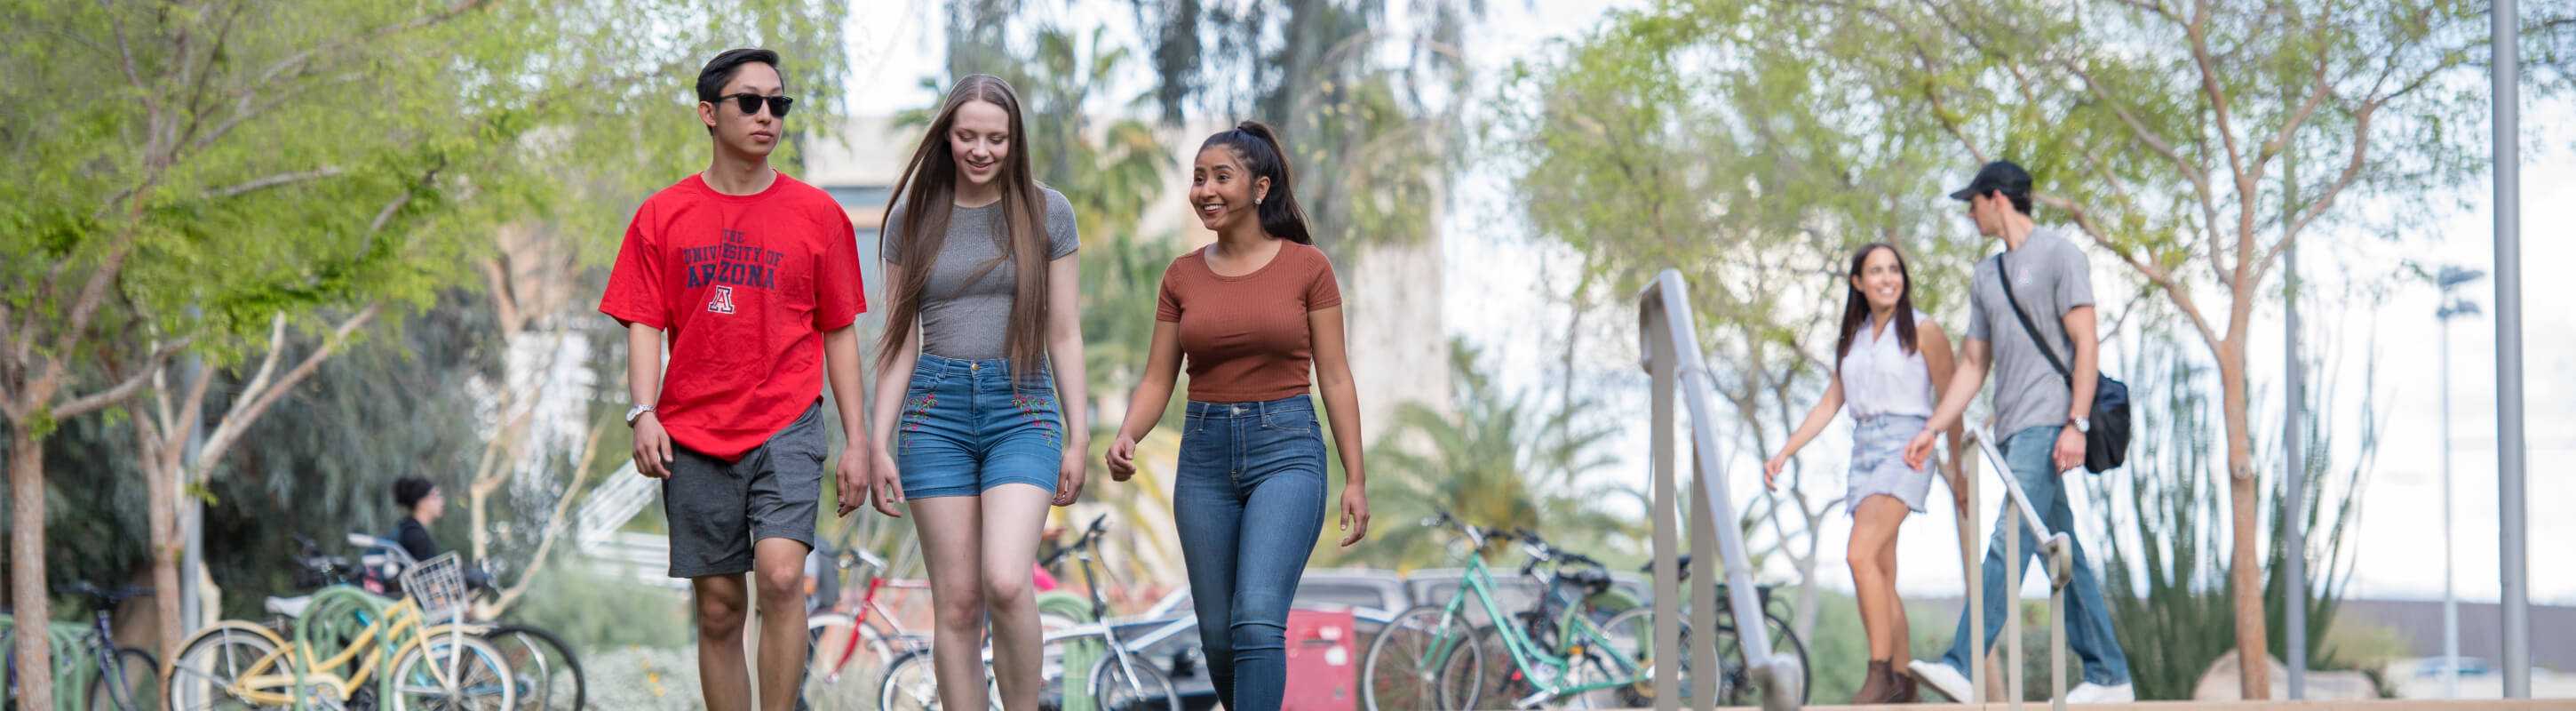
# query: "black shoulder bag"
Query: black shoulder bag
{"points": [[2106, 444]]}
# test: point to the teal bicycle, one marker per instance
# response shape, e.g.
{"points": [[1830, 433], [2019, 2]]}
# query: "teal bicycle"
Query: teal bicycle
{"points": [[1429, 657]]}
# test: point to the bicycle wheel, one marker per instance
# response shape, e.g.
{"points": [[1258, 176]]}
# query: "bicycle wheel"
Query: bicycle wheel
{"points": [[842, 660], [1735, 683], [129, 682], [451, 670], [1420, 662], [1503, 683], [543, 669], [1136, 685], [1622, 648], [910, 684], [205, 675]]}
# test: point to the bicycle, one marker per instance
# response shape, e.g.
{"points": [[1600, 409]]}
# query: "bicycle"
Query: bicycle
{"points": [[429, 663], [118, 678], [544, 669], [1735, 685], [1119, 680], [868, 634], [1569, 585], [1427, 657]]}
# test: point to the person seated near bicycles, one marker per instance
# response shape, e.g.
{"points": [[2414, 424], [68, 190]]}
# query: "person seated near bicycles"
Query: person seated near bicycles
{"points": [[422, 503]]}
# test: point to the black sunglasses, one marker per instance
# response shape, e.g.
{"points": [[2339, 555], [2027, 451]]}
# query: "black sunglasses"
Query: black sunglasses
{"points": [[750, 103]]}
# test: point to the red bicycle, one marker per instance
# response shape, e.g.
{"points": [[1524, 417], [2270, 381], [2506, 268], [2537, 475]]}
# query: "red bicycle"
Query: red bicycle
{"points": [[854, 638]]}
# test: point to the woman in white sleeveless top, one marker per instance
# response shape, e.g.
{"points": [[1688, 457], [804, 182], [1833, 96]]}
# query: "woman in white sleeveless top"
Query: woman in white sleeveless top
{"points": [[1889, 361]]}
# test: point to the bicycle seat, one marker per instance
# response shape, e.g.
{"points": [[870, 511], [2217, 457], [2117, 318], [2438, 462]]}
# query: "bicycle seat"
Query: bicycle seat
{"points": [[291, 607], [1592, 580]]}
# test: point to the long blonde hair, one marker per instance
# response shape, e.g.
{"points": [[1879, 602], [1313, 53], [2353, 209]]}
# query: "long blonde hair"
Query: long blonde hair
{"points": [[928, 193]]}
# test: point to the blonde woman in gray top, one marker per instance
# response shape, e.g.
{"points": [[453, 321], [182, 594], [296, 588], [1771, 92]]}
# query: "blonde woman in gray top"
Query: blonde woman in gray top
{"points": [[1888, 362], [977, 409]]}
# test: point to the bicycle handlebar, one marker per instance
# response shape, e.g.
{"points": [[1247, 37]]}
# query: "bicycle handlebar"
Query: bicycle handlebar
{"points": [[1090, 537], [85, 589]]}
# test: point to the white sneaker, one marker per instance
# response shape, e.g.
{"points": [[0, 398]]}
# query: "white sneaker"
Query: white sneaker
{"points": [[2091, 693], [1942, 679]]}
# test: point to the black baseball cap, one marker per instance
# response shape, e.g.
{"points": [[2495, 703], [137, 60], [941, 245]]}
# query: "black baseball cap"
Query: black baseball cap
{"points": [[2003, 175]]}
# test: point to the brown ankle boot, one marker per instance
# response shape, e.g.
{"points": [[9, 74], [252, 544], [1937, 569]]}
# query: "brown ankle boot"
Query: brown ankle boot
{"points": [[1877, 686], [1904, 683]]}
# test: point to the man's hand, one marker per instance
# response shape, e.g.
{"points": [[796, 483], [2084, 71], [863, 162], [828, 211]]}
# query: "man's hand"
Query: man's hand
{"points": [[1355, 514], [851, 476], [885, 484], [2070, 449], [1069, 473], [1121, 458], [1919, 451], [652, 447]]}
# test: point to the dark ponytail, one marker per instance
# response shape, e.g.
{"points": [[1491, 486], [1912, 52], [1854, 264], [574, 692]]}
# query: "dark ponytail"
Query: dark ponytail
{"points": [[1262, 153]]}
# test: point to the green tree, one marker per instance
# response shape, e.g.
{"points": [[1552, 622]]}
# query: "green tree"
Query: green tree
{"points": [[1374, 140], [1501, 460], [196, 165], [2167, 133], [2169, 592], [1637, 156], [198, 210]]}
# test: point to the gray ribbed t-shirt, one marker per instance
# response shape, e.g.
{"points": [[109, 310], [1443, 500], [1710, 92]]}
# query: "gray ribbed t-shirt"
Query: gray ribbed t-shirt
{"points": [[966, 320], [2050, 278]]}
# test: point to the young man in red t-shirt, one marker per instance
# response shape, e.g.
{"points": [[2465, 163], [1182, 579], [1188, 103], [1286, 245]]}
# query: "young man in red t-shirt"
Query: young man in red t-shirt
{"points": [[752, 278]]}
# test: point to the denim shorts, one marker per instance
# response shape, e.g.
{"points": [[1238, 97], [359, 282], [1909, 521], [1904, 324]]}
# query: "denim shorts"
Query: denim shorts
{"points": [[968, 426], [1878, 465]]}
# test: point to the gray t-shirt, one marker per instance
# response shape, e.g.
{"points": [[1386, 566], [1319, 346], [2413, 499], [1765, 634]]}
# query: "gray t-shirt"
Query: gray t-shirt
{"points": [[966, 320], [2050, 278]]}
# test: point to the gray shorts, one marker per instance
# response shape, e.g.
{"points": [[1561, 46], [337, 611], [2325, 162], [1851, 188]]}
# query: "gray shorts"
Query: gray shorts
{"points": [[717, 509]]}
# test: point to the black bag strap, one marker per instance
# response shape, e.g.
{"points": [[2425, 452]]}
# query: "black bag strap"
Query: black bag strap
{"points": [[2005, 275]]}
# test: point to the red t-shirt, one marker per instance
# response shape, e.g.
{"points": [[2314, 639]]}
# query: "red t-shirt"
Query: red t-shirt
{"points": [[744, 286]]}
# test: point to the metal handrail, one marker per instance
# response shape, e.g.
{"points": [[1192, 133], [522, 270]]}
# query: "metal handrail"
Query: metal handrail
{"points": [[1672, 356], [2058, 549]]}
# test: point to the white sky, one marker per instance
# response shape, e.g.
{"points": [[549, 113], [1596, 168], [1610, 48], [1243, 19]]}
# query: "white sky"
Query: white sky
{"points": [[897, 42]]}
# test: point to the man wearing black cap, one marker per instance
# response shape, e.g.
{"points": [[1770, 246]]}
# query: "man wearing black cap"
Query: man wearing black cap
{"points": [[2040, 414]]}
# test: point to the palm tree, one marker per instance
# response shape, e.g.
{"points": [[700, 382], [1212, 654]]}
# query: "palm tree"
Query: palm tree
{"points": [[1498, 461]]}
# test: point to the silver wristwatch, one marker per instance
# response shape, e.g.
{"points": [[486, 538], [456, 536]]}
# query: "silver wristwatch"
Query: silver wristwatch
{"points": [[635, 412], [2082, 426]]}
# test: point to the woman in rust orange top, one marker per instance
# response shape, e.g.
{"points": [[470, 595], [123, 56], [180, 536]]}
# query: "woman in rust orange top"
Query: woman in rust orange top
{"points": [[1252, 314]]}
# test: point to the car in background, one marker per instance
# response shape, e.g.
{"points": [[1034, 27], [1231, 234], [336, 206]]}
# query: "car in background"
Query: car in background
{"points": [[2429, 667]]}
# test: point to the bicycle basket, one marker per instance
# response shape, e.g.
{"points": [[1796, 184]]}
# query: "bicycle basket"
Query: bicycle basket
{"points": [[437, 585]]}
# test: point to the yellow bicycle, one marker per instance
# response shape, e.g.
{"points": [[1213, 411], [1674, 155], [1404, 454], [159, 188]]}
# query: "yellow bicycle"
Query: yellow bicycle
{"points": [[346, 637]]}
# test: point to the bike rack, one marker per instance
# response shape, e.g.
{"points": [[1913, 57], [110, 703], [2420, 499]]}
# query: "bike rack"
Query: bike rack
{"points": [[2058, 549], [1672, 356]]}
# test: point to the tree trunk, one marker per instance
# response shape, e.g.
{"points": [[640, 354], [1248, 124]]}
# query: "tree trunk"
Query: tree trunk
{"points": [[27, 564], [480, 541], [2245, 564], [161, 494]]}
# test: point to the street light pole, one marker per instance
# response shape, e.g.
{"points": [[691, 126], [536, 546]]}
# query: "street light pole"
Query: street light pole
{"points": [[2512, 457], [2450, 598], [2448, 279]]}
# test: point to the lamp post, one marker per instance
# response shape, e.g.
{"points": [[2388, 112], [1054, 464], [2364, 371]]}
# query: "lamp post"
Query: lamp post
{"points": [[2450, 278]]}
